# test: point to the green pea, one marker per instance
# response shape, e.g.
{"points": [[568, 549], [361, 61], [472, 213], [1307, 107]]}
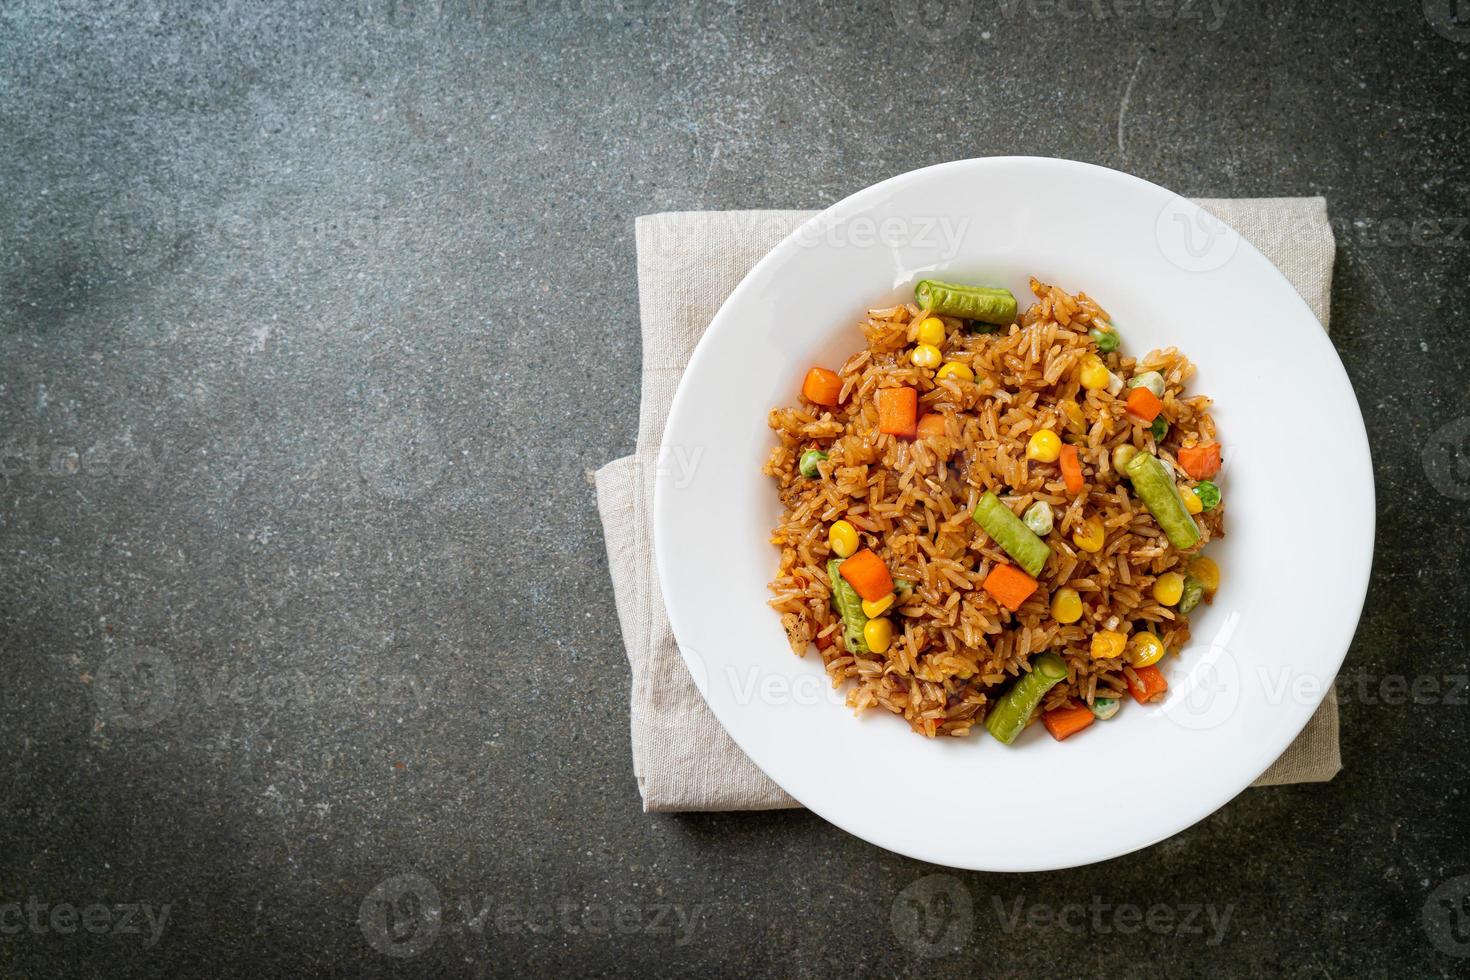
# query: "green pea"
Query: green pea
{"points": [[1159, 429], [809, 461], [1104, 708], [1208, 494], [1107, 340]]}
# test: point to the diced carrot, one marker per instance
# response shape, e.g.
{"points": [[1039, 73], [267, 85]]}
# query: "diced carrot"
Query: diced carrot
{"points": [[1071, 465], [1068, 720], [822, 386], [1200, 462], [931, 425], [1009, 585], [1144, 404], [898, 411], [1150, 684], [867, 573]]}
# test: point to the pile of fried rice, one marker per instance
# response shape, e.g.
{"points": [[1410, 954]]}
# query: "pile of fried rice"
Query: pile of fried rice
{"points": [[954, 646]]}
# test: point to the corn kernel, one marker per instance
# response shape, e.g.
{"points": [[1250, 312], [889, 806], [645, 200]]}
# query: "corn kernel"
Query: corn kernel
{"points": [[931, 331], [878, 633], [926, 356], [843, 539], [1044, 447], [1072, 412], [1066, 606], [1192, 503], [1168, 587], [1123, 455], [1145, 650], [954, 369], [1106, 644], [1206, 572], [873, 610], [1093, 373], [1090, 535]]}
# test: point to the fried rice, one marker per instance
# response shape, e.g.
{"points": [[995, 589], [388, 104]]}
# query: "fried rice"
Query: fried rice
{"points": [[954, 647]]}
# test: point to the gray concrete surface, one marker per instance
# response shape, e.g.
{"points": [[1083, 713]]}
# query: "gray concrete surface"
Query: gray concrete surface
{"points": [[313, 318]]}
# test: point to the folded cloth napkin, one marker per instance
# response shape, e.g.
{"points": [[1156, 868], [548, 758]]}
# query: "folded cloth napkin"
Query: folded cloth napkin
{"points": [[687, 264]]}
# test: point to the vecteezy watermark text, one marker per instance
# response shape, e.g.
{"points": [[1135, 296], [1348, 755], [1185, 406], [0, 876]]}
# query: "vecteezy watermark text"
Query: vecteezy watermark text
{"points": [[935, 916], [40, 918], [404, 914]]}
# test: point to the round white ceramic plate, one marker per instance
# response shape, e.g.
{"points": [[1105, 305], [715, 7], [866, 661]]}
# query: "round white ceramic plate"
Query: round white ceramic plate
{"points": [[1295, 561]]}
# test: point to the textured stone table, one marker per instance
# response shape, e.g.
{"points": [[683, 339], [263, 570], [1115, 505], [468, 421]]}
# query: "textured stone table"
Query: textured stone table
{"points": [[312, 323]]}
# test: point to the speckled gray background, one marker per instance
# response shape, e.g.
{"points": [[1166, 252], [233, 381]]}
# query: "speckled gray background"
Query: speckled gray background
{"points": [[312, 321]]}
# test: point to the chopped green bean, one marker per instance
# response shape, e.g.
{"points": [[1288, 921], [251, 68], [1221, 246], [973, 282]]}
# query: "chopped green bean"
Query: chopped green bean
{"points": [[1104, 708], [1007, 530], [1013, 709], [1160, 494], [1208, 494], [1152, 380], [1194, 591], [1107, 340], [809, 461], [850, 607], [988, 304]]}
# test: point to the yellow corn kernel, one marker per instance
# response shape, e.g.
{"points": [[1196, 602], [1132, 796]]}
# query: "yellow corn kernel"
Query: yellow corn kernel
{"points": [[1192, 503], [1206, 572], [1093, 373], [1145, 650], [1123, 455], [1168, 587], [1072, 412], [1090, 535], [1044, 447], [843, 538], [873, 610], [878, 633], [954, 369], [1066, 606], [1107, 645], [926, 356], [931, 331]]}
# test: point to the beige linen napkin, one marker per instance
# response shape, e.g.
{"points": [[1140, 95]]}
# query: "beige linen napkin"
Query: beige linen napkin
{"points": [[687, 264]]}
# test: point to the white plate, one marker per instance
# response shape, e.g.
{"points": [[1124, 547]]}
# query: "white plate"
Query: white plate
{"points": [[1295, 561]]}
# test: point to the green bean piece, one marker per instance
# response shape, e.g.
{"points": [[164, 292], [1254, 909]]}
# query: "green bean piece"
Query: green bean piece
{"points": [[1160, 494], [988, 304], [1107, 340], [1104, 708], [1014, 708], [1194, 591], [1008, 531], [1152, 380], [809, 461], [1208, 494], [850, 607], [1159, 429]]}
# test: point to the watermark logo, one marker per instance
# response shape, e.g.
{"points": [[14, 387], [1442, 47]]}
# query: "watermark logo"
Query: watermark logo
{"points": [[935, 21], [135, 688], [1192, 238], [136, 230], [934, 916], [1450, 19], [1446, 458], [1210, 694], [401, 916], [1446, 916]]}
